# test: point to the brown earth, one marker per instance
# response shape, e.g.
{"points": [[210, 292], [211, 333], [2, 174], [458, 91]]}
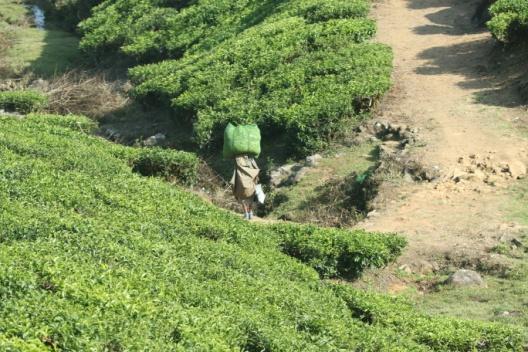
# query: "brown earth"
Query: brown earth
{"points": [[448, 87]]}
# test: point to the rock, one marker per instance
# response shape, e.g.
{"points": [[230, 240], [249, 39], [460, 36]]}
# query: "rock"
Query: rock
{"points": [[432, 173], [507, 314], [284, 175], [517, 169], [406, 268], [516, 243], [313, 160], [407, 177], [155, 140], [40, 84], [381, 128], [464, 278], [112, 134], [479, 175], [300, 174], [372, 214], [424, 267], [459, 175], [421, 267]]}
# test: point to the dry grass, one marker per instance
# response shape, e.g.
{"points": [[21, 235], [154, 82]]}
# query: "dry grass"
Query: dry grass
{"points": [[5, 44], [84, 93]]}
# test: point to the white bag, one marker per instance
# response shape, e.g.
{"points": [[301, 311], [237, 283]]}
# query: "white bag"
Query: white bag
{"points": [[261, 196]]}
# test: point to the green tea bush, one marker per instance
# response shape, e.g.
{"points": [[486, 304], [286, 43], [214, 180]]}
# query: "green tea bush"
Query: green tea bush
{"points": [[288, 76], [334, 252], [509, 20], [22, 101], [97, 258], [439, 334], [168, 163], [301, 67]]}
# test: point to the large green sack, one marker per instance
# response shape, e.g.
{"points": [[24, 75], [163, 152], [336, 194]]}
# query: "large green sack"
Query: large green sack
{"points": [[241, 140]]}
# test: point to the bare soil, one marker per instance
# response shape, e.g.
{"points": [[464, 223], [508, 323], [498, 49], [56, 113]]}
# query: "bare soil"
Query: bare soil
{"points": [[448, 86]]}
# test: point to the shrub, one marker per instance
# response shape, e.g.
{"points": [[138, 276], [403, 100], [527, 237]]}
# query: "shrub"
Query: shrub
{"points": [[22, 102], [171, 164], [334, 252], [307, 80], [440, 334], [300, 67], [509, 20]]}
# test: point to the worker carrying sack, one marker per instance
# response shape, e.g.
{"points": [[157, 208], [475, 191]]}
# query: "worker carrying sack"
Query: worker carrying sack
{"points": [[241, 140]]}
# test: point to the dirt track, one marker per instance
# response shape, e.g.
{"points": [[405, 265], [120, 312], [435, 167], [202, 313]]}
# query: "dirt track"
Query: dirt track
{"points": [[444, 88]]}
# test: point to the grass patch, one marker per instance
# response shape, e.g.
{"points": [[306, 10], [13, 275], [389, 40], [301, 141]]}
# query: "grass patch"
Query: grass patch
{"points": [[314, 198], [43, 52], [506, 297], [13, 13], [490, 304]]}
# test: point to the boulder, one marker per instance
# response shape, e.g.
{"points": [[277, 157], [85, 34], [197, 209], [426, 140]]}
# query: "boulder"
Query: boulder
{"points": [[283, 175], [459, 175], [155, 140], [313, 160], [465, 278], [517, 169], [300, 174]]}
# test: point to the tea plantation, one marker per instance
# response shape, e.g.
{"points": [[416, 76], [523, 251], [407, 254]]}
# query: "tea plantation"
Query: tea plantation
{"points": [[96, 257], [304, 68], [509, 21]]}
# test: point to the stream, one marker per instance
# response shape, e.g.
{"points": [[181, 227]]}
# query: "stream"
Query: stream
{"points": [[38, 16]]}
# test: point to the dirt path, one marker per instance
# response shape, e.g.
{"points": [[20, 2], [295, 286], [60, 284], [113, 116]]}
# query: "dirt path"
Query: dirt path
{"points": [[442, 88]]}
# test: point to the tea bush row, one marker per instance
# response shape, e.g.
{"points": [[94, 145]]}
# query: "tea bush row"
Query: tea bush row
{"points": [[170, 164], [305, 80], [509, 21], [152, 30], [439, 334], [300, 67], [97, 257], [22, 101]]}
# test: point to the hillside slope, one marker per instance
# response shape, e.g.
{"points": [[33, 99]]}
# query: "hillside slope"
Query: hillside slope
{"points": [[95, 257]]}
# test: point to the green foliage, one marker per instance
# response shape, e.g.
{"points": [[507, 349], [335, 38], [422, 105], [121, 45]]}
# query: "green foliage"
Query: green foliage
{"points": [[168, 163], [23, 102], [299, 67], [98, 258], [440, 334], [509, 20], [334, 252]]}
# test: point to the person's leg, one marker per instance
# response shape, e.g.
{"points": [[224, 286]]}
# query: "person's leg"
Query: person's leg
{"points": [[246, 209], [250, 210]]}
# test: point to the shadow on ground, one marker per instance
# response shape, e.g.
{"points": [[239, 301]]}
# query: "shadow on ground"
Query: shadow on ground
{"points": [[496, 73]]}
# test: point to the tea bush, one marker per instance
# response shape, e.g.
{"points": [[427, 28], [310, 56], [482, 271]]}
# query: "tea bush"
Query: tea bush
{"points": [[22, 101], [95, 257], [439, 334], [168, 163], [300, 67], [509, 20], [335, 252]]}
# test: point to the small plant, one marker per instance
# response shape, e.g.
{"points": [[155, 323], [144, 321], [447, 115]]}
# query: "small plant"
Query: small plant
{"points": [[509, 22], [167, 163], [23, 102]]}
